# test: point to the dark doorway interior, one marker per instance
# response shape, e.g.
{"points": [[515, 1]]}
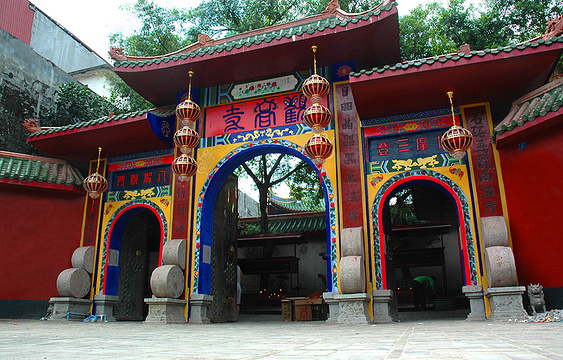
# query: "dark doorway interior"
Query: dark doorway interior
{"points": [[422, 239], [139, 254]]}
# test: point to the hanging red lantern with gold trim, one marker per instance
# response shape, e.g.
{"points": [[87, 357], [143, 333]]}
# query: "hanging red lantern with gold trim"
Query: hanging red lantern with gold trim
{"points": [[95, 184], [318, 148], [317, 117], [315, 87], [185, 167], [188, 111], [186, 139], [457, 140]]}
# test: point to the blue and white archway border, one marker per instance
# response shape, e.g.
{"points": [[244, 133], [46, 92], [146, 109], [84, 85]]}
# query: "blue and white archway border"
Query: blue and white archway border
{"points": [[206, 201]]}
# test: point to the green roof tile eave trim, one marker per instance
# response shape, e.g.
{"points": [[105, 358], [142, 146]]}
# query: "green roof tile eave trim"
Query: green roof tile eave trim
{"points": [[317, 25], [455, 57], [84, 124]]}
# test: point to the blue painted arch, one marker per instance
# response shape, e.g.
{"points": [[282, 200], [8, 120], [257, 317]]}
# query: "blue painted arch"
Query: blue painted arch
{"points": [[212, 186]]}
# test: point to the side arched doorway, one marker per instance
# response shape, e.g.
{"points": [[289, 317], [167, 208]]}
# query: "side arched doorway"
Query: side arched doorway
{"points": [[434, 239], [135, 242]]}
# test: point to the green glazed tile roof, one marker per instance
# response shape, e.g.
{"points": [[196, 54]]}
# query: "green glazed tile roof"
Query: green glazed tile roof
{"points": [[267, 37], [83, 124], [457, 56], [283, 226], [292, 205], [547, 100], [33, 168]]}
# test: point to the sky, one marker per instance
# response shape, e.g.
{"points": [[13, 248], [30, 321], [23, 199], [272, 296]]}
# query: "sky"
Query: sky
{"points": [[94, 21]]}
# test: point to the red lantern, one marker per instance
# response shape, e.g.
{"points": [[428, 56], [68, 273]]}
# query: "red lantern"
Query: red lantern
{"points": [[186, 138], [317, 117], [188, 112], [185, 167], [95, 185], [316, 88], [457, 140], [318, 148]]}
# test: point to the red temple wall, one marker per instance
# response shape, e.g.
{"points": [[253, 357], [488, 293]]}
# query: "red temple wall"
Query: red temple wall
{"points": [[532, 180], [40, 231]]}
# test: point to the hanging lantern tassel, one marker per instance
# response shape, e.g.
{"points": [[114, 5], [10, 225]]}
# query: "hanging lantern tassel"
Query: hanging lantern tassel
{"points": [[318, 148], [185, 167]]}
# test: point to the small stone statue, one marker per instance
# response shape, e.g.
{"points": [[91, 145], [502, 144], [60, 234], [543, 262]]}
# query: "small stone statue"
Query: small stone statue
{"points": [[537, 301]]}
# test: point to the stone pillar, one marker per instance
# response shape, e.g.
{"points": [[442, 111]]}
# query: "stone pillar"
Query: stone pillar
{"points": [[198, 308], [384, 307], [506, 302], [476, 303], [333, 307], [105, 304], [165, 310], [352, 308], [63, 305]]}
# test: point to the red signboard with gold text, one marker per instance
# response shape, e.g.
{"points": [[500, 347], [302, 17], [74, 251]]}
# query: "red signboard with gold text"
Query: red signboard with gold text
{"points": [[256, 114]]}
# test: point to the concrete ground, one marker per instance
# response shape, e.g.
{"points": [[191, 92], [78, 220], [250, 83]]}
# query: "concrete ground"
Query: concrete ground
{"points": [[267, 337]]}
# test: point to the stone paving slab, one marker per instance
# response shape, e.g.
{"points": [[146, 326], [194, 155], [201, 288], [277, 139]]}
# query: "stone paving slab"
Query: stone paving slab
{"points": [[269, 338]]}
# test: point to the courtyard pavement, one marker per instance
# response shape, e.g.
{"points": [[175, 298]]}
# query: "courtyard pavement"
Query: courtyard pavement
{"points": [[267, 337]]}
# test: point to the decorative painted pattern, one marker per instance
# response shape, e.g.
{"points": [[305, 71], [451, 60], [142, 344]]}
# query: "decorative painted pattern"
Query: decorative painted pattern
{"points": [[265, 87], [331, 208], [256, 135], [148, 154], [409, 126], [120, 211], [433, 161], [464, 212], [122, 195], [409, 116], [126, 165]]}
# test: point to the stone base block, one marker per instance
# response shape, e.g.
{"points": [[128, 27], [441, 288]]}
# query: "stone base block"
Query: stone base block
{"points": [[198, 308], [332, 307], [352, 308], [506, 302], [384, 307], [476, 303], [105, 304], [64, 305], [166, 310]]}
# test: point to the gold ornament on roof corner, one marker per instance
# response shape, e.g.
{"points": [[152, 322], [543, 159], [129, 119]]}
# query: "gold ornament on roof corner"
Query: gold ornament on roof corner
{"points": [[315, 87], [457, 140], [95, 184], [188, 112]]}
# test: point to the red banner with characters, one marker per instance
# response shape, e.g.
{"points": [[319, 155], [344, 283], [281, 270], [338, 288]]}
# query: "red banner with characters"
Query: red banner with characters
{"points": [[483, 161], [349, 157], [256, 114]]}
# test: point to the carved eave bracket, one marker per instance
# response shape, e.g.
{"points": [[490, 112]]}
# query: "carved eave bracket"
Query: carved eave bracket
{"points": [[554, 28]]}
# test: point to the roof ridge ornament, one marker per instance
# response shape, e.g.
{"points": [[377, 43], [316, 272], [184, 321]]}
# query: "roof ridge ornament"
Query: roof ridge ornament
{"points": [[554, 28], [117, 54], [204, 40], [331, 7]]}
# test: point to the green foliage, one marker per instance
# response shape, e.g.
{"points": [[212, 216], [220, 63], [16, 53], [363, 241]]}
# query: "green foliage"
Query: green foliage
{"points": [[124, 97], [162, 30], [76, 103], [433, 29]]}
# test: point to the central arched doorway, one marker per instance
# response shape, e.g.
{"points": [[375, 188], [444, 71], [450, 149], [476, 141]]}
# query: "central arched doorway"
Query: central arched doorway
{"points": [[205, 242]]}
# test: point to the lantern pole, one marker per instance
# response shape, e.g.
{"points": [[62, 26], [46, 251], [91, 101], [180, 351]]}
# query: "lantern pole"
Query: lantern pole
{"points": [[450, 96]]}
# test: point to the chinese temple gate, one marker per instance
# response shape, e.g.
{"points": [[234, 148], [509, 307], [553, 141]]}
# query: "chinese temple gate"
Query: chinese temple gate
{"points": [[388, 120]]}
